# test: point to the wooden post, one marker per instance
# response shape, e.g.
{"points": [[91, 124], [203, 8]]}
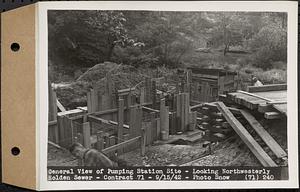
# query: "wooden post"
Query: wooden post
{"points": [[153, 94], [162, 116], [188, 81], [148, 88], [89, 102], [153, 126], [86, 135], [158, 128], [100, 141], [120, 123], [143, 142], [80, 138], [126, 137], [192, 120], [106, 140], [52, 104], [109, 83], [52, 116], [165, 126], [138, 123], [172, 123], [61, 130], [94, 101], [112, 141], [143, 96], [182, 111], [133, 130], [186, 110]]}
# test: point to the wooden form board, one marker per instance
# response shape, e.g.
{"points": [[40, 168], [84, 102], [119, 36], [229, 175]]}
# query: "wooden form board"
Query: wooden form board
{"points": [[18, 97], [264, 88], [266, 137], [255, 148]]}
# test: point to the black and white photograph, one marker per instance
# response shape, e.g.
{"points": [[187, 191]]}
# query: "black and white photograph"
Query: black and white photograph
{"points": [[191, 89]]}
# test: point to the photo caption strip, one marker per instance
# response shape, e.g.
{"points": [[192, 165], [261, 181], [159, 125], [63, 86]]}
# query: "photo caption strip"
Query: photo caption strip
{"points": [[166, 174]]}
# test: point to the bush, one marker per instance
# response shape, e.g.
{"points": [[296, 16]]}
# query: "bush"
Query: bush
{"points": [[271, 45], [134, 56]]}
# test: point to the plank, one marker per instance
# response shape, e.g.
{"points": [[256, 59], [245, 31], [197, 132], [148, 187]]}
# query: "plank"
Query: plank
{"points": [[253, 95], [266, 137], [282, 108], [121, 145], [277, 102], [272, 115], [101, 120], [274, 95], [60, 106], [271, 87], [262, 108], [85, 109], [126, 91], [254, 147], [70, 112], [214, 106], [61, 131]]}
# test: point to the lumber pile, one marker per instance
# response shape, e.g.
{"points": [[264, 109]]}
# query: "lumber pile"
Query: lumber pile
{"points": [[268, 99]]}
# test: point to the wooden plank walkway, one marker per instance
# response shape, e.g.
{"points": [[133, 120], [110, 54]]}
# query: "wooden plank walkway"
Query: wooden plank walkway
{"points": [[255, 148]]}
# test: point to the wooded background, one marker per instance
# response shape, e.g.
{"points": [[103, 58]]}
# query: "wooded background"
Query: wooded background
{"points": [[81, 39]]}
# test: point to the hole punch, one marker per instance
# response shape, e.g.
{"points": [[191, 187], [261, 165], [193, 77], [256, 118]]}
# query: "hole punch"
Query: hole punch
{"points": [[15, 47], [15, 151]]}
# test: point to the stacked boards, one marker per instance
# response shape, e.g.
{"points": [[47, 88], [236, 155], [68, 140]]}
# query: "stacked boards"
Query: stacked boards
{"points": [[268, 99]]}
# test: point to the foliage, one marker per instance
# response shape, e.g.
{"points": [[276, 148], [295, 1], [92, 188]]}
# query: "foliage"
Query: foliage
{"points": [[85, 38], [82, 39], [271, 44]]}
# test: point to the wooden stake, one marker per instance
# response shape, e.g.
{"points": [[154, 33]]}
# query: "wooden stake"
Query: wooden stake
{"points": [[100, 141], [153, 91], [86, 135], [153, 126], [120, 123], [143, 142]]}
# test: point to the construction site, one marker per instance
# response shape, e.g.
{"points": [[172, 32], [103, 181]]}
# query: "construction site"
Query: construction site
{"points": [[191, 117]]}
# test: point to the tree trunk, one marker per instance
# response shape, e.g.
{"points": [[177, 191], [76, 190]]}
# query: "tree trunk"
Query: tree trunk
{"points": [[226, 49], [110, 51]]}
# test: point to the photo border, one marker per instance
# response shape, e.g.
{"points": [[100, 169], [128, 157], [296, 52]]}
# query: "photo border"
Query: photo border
{"points": [[42, 90]]}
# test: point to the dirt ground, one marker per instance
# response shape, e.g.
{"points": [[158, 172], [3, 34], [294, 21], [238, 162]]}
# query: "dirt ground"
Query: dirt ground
{"points": [[59, 157], [231, 152]]}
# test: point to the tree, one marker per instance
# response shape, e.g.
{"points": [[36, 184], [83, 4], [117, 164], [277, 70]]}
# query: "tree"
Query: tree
{"points": [[270, 42], [85, 38], [229, 29]]}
